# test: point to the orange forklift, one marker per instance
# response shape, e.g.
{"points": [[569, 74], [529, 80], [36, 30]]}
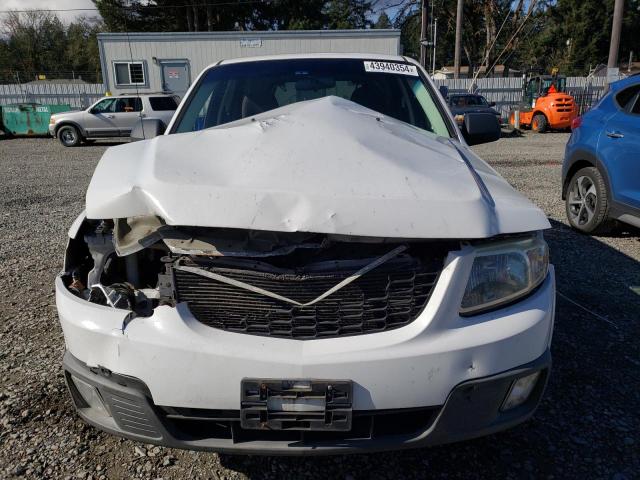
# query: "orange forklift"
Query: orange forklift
{"points": [[545, 104]]}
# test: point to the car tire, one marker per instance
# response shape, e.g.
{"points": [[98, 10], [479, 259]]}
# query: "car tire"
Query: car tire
{"points": [[69, 136], [586, 202], [539, 123]]}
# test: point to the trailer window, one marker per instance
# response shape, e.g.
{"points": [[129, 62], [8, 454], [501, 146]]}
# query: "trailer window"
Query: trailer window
{"points": [[129, 73]]}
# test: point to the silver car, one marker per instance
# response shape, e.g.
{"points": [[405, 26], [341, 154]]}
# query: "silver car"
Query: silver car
{"points": [[110, 117]]}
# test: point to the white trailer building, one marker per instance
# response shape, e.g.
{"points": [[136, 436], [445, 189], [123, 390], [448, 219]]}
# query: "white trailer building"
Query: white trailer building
{"points": [[169, 62]]}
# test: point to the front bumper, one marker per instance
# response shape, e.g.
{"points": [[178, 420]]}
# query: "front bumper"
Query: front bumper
{"points": [[52, 130], [472, 409], [183, 364]]}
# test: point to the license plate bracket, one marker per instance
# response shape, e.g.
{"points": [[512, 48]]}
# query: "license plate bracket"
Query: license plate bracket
{"points": [[296, 404]]}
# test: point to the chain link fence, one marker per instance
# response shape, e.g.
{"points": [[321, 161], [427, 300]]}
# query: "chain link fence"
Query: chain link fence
{"points": [[77, 94], [507, 92]]}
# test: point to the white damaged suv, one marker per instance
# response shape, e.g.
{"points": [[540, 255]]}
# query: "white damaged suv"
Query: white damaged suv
{"points": [[309, 260]]}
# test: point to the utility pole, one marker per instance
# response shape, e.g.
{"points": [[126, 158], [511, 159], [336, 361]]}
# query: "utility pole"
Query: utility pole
{"points": [[615, 34], [435, 42], [456, 62], [423, 33]]}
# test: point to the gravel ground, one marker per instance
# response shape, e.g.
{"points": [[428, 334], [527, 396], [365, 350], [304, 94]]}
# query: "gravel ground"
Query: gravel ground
{"points": [[586, 427]]}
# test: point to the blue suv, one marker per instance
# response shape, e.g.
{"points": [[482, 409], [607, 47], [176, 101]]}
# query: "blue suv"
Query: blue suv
{"points": [[601, 169]]}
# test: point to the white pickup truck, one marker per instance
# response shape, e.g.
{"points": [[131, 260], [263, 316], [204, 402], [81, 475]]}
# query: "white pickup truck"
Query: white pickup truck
{"points": [[309, 260]]}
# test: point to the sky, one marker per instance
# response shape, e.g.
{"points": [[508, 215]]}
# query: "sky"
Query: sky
{"points": [[79, 4], [52, 4]]}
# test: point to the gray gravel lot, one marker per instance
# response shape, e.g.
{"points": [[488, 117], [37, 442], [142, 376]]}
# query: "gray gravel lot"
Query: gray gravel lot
{"points": [[586, 427]]}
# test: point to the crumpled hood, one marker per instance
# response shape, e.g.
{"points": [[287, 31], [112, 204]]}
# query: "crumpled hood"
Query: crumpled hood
{"points": [[326, 166]]}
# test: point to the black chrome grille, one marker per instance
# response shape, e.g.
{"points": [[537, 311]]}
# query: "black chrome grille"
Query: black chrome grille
{"points": [[202, 425], [385, 298]]}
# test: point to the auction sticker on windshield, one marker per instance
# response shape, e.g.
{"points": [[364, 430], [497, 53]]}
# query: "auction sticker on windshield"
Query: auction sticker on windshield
{"points": [[390, 67]]}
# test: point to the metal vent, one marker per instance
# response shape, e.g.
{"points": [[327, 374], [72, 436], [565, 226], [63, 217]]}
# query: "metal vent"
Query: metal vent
{"points": [[131, 414], [388, 297]]}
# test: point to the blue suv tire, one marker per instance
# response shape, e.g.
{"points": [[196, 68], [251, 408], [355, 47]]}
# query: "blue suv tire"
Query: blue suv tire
{"points": [[586, 201]]}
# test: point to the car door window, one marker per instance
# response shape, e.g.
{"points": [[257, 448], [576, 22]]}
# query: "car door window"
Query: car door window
{"points": [[105, 106], [163, 104], [128, 105], [626, 96]]}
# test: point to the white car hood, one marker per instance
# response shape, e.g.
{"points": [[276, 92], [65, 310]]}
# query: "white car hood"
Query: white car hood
{"points": [[325, 166]]}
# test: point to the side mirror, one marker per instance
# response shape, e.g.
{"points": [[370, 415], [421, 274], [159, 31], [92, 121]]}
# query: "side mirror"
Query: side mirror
{"points": [[444, 91], [147, 128], [480, 128], [492, 104]]}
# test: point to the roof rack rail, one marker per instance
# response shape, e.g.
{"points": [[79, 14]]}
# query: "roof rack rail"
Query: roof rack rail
{"points": [[145, 93]]}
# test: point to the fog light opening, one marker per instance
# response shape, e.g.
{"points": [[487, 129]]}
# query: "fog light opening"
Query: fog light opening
{"points": [[520, 391], [91, 396]]}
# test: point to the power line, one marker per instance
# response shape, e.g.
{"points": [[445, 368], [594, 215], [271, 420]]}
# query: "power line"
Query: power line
{"points": [[488, 51], [512, 37], [500, 30]]}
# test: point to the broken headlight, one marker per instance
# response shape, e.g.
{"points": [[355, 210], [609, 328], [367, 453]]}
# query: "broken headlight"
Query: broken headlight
{"points": [[504, 272]]}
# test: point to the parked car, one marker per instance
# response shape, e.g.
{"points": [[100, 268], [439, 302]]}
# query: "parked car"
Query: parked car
{"points": [[111, 117], [309, 260], [601, 171], [461, 104]]}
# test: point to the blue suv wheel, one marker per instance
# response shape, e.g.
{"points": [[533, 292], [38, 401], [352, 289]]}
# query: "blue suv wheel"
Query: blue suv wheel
{"points": [[586, 201]]}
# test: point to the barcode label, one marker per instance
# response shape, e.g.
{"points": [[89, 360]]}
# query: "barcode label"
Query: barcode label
{"points": [[390, 67]]}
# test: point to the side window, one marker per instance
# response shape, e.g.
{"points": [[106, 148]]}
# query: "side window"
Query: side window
{"points": [[129, 73], [128, 105], [104, 106], [162, 104], [626, 96]]}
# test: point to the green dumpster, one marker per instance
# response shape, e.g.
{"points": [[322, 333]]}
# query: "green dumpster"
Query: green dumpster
{"points": [[28, 118]]}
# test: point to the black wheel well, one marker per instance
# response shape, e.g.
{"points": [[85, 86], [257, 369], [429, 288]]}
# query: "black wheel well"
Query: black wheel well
{"points": [[577, 165], [69, 124]]}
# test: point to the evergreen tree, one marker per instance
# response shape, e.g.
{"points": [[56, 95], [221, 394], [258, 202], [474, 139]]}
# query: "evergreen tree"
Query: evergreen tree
{"points": [[572, 35], [81, 53], [345, 14], [383, 21]]}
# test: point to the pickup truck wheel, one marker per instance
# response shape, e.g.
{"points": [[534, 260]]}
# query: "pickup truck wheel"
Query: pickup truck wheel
{"points": [[539, 123], [586, 202], [69, 136]]}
